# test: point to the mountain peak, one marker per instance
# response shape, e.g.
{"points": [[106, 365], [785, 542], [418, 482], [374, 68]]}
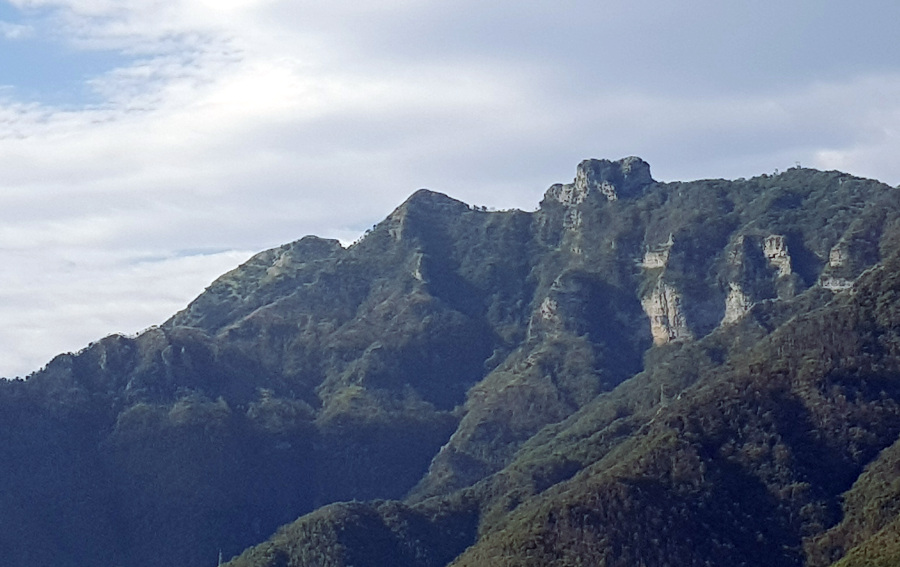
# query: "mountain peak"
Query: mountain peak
{"points": [[425, 202], [429, 198], [624, 178]]}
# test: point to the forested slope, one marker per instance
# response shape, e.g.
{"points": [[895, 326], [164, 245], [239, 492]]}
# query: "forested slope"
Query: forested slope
{"points": [[637, 372]]}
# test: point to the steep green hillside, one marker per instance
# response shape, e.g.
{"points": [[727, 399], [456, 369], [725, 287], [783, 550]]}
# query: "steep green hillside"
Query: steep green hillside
{"points": [[637, 372]]}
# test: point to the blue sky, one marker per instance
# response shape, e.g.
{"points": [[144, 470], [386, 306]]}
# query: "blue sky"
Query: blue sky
{"points": [[148, 146], [37, 64]]}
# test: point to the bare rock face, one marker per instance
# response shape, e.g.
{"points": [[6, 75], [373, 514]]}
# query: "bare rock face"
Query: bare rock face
{"points": [[838, 255], [746, 265], [658, 257], [623, 178], [666, 312], [663, 305], [613, 180], [776, 252], [856, 250], [834, 276], [758, 268], [737, 304]]}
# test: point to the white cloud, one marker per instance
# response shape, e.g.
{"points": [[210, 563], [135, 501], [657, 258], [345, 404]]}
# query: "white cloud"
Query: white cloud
{"points": [[12, 31], [247, 123], [56, 300]]}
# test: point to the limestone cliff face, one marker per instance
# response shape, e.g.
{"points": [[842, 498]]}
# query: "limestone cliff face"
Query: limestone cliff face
{"points": [[597, 181], [741, 261], [737, 304], [610, 180], [664, 307], [658, 257], [834, 276], [758, 268], [662, 304], [625, 178], [776, 252], [855, 252]]}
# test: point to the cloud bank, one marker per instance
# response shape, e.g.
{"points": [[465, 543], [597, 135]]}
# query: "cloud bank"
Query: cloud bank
{"points": [[215, 129]]}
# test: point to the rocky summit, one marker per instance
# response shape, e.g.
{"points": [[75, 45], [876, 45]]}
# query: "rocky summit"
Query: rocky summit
{"points": [[636, 373]]}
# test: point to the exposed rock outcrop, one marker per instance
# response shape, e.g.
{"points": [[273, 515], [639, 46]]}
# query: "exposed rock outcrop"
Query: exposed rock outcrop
{"points": [[838, 255], [758, 268], [854, 252], [664, 308], [663, 304], [836, 284], [737, 304], [625, 178], [776, 251], [838, 272], [658, 257], [620, 179]]}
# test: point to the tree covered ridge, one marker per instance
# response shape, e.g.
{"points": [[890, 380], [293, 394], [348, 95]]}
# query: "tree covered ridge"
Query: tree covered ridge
{"points": [[494, 375]]}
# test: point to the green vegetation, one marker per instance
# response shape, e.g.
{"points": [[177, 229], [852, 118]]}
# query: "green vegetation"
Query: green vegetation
{"points": [[486, 388]]}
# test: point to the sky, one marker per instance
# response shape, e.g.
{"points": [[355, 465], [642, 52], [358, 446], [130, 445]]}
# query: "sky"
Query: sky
{"points": [[148, 146]]}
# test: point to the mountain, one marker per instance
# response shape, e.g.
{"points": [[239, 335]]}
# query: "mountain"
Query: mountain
{"points": [[694, 373]]}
